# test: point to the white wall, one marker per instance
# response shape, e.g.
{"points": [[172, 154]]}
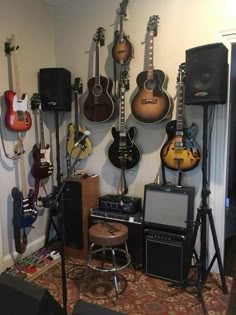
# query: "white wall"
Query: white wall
{"points": [[32, 23], [183, 25]]}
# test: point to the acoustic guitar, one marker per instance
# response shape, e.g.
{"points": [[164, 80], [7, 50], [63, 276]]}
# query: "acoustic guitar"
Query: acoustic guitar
{"points": [[17, 117], [123, 152], [75, 131], [99, 106], [24, 211], [122, 50], [151, 104], [180, 152]]}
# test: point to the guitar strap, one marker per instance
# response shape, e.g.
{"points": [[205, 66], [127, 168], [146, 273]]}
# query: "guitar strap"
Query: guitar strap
{"points": [[9, 156]]}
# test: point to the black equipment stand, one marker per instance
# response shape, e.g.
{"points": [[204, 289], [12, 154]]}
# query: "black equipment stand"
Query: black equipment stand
{"points": [[57, 202], [204, 213]]}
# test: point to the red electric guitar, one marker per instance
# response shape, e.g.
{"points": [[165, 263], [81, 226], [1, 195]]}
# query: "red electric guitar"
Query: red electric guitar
{"points": [[17, 116]]}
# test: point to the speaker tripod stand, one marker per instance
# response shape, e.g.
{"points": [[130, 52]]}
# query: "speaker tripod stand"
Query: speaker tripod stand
{"points": [[204, 215]]}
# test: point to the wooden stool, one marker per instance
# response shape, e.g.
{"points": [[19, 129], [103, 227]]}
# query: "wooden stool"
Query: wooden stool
{"points": [[107, 236]]}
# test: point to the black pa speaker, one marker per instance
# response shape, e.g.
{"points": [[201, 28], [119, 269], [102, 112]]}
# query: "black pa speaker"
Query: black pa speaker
{"points": [[55, 89], [73, 223], [19, 296], [206, 75]]}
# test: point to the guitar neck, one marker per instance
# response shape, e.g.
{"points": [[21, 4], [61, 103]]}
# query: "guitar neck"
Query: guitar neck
{"points": [[23, 176], [180, 107], [97, 73], [42, 138], [150, 55], [122, 111], [76, 125]]}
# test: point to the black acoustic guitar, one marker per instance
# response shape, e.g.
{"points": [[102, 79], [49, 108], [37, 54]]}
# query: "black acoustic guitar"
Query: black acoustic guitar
{"points": [[180, 152], [99, 105], [123, 152], [122, 50], [151, 104]]}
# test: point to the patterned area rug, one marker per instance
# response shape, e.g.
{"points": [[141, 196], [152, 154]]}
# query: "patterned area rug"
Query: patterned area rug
{"points": [[139, 294]]}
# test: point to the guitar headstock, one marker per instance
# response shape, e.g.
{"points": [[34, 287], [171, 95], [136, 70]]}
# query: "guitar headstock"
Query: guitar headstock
{"points": [[124, 80], [100, 36], [181, 72], [152, 24], [36, 102], [78, 85], [10, 45], [123, 7]]}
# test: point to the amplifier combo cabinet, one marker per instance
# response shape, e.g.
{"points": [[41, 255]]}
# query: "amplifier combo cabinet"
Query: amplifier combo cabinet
{"points": [[166, 255], [135, 230], [168, 223]]}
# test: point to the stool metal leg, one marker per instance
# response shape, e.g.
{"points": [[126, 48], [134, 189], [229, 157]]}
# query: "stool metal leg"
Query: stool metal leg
{"points": [[114, 274], [89, 258], [130, 264]]}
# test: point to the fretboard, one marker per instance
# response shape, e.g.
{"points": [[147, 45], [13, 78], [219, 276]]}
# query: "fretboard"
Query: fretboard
{"points": [[150, 55]]}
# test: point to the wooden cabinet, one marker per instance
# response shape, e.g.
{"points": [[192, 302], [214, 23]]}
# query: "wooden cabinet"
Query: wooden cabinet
{"points": [[79, 210]]}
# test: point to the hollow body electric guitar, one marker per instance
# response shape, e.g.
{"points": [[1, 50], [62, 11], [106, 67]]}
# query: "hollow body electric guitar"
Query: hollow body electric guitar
{"points": [[122, 50], [99, 105], [42, 166], [180, 152], [75, 131], [24, 211], [17, 117], [151, 104], [123, 152]]}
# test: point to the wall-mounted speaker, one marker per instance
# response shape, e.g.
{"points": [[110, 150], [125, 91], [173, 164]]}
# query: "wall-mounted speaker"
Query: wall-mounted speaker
{"points": [[55, 89], [206, 75], [19, 296], [168, 207]]}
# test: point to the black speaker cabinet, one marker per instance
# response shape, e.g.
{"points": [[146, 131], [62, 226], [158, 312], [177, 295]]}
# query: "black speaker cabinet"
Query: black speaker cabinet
{"points": [[135, 232], [55, 89], [20, 297], [206, 75], [79, 195], [167, 255]]}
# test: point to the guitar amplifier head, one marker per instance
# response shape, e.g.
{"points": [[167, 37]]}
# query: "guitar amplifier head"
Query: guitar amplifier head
{"points": [[124, 204]]}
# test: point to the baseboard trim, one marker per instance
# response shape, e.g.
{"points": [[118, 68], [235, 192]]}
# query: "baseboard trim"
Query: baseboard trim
{"points": [[11, 258]]}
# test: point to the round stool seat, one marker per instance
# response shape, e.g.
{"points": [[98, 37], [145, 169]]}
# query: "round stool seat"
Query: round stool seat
{"points": [[108, 234]]}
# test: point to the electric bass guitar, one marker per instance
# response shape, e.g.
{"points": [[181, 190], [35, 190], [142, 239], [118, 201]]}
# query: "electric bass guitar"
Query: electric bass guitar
{"points": [[123, 152], [122, 50], [42, 167], [24, 211], [151, 104], [75, 131], [180, 152], [99, 105], [17, 117]]}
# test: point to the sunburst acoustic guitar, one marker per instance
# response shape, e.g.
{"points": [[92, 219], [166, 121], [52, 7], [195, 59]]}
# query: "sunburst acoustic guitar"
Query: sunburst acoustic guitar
{"points": [[151, 104]]}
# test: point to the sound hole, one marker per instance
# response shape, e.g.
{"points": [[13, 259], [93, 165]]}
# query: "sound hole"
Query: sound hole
{"points": [[150, 84], [97, 90]]}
